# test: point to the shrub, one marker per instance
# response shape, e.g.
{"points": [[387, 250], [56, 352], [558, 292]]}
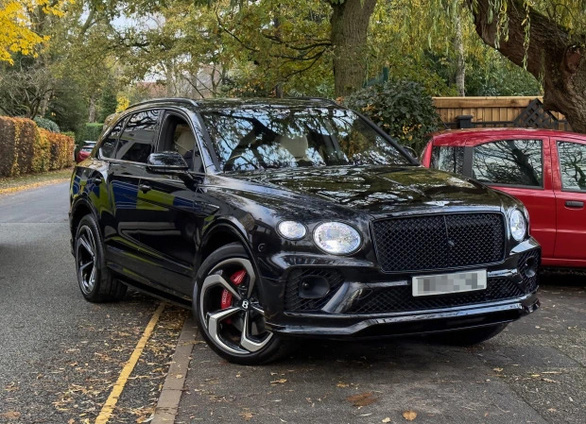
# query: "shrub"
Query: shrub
{"points": [[60, 148], [401, 108], [17, 137], [24, 148], [47, 124]]}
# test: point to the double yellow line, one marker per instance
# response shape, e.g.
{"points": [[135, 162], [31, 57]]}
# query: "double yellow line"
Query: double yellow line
{"points": [[110, 404]]}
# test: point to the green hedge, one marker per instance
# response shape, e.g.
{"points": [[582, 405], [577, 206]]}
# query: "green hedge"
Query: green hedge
{"points": [[25, 148], [89, 132]]}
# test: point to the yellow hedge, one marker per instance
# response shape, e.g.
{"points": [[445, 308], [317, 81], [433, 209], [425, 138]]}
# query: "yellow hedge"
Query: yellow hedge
{"points": [[26, 148]]}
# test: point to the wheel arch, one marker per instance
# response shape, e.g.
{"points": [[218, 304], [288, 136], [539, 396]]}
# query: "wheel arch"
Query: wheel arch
{"points": [[80, 209], [221, 234]]}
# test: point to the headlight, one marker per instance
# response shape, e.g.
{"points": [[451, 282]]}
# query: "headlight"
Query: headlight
{"points": [[292, 230], [336, 238], [518, 225]]}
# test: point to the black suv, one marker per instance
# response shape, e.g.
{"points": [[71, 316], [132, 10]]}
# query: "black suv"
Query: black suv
{"points": [[283, 218]]}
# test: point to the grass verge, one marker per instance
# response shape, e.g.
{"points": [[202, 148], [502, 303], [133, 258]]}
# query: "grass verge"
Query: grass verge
{"points": [[14, 184]]}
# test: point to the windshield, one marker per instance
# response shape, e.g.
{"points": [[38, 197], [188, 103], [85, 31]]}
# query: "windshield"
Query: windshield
{"points": [[249, 140]]}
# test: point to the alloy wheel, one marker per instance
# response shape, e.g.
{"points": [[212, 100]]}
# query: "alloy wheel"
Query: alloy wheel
{"points": [[230, 310], [86, 259]]}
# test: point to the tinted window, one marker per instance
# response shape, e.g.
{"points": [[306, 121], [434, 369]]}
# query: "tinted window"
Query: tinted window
{"points": [[136, 142], [108, 146], [572, 165], [446, 158], [512, 162], [296, 137]]}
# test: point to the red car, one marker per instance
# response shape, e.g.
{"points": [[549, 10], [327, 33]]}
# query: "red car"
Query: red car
{"points": [[545, 169], [85, 151]]}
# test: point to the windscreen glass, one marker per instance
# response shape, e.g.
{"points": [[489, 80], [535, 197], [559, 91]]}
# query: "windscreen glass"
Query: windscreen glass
{"points": [[248, 140]]}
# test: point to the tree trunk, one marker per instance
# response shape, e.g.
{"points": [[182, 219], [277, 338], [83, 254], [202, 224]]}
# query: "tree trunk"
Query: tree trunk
{"points": [[93, 110], [350, 21], [461, 59], [551, 57]]}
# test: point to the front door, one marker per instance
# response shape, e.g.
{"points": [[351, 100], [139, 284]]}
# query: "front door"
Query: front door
{"points": [[570, 191], [520, 168], [168, 238]]}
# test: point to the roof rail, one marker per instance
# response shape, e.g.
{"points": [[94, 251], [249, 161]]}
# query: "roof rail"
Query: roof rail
{"points": [[315, 99], [165, 100]]}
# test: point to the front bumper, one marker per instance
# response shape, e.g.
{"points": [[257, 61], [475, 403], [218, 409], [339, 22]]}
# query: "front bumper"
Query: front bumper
{"points": [[420, 322], [363, 302]]}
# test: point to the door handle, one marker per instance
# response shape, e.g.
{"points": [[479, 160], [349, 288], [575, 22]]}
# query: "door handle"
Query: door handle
{"points": [[144, 187], [576, 204]]}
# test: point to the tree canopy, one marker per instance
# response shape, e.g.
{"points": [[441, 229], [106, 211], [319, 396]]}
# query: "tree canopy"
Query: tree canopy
{"points": [[97, 53], [19, 32]]}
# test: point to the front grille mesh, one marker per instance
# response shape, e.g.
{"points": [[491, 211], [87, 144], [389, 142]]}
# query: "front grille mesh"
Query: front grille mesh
{"points": [[439, 242]]}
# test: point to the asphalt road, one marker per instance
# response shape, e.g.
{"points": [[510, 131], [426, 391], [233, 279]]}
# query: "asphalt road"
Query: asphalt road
{"points": [[60, 355]]}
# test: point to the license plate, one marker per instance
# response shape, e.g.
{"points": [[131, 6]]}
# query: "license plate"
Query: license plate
{"points": [[456, 282]]}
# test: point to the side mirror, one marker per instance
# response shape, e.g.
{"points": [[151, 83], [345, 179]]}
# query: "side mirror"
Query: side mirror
{"points": [[166, 163]]}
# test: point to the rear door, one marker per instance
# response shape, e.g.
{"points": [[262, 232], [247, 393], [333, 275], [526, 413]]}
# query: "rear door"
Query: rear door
{"points": [[570, 189], [521, 167], [128, 166]]}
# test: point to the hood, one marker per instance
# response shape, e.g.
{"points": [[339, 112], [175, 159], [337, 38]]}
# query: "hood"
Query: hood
{"points": [[379, 189]]}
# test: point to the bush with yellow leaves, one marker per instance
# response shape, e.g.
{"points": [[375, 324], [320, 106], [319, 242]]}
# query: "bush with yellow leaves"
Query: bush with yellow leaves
{"points": [[26, 148]]}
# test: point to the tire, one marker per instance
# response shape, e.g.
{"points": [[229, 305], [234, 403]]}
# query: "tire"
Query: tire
{"points": [[469, 337], [95, 280], [228, 310]]}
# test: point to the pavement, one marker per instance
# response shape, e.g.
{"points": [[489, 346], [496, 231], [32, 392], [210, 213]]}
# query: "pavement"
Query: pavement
{"points": [[61, 357], [534, 372]]}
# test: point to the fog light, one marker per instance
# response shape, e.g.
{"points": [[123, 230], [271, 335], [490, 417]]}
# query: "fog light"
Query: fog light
{"points": [[313, 288], [530, 267]]}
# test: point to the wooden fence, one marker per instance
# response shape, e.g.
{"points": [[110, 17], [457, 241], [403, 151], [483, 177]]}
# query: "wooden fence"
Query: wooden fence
{"points": [[459, 112]]}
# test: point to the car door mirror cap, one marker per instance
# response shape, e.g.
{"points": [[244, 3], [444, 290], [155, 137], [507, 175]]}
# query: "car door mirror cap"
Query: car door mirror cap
{"points": [[167, 163]]}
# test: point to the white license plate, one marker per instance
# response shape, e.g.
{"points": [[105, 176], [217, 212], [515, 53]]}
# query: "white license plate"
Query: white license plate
{"points": [[455, 282]]}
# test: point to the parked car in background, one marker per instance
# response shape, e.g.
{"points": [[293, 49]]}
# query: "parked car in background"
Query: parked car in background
{"points": [[85, 150], [545, 169], [276, 219]]}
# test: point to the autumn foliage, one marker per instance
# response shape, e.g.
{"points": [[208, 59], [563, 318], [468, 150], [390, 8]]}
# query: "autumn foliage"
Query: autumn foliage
{"points": [[26, 148]]}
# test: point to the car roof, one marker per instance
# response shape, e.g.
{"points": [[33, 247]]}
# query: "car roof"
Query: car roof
{"points": [[458, 137], [211, 104]]}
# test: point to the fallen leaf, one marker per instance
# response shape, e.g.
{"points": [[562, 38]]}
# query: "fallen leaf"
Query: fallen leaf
{"points": [[362, 399], [279, 381], [246, 415], [340, 384], [409, 415], [11, 415], [386, 420]]}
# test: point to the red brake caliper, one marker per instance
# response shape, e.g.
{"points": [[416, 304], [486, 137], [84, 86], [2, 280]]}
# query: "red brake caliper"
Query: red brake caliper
{"points": [[235, 279]]}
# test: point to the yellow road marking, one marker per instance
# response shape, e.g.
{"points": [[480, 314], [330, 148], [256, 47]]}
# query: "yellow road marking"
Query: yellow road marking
{"points": [[110, 404]]}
